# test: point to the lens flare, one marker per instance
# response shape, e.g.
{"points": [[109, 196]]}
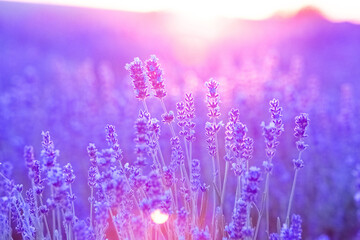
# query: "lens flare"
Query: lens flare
{"points": [[159, 217]]}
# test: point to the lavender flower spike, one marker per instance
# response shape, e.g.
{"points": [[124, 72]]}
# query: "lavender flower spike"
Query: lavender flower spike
{"points": [[213, 99], [155, 75], [137, 73], [302, 122]]}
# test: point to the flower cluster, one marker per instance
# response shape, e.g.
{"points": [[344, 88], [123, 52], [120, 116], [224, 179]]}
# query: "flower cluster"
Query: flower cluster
{"points": [[302, 122], [155, 75], [213, 99], [289, 233], [138, 75], [132, 198], [210, 131], [251, 187], [238, 224], [271, 132]]}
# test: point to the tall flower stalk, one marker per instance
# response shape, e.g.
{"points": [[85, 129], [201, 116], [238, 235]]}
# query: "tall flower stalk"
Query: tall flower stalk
{"points": [[212, 128], [271, 133], [302, 122]]}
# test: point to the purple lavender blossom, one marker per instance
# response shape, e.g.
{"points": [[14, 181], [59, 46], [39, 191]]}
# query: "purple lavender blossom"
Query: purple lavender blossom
{"points": [[142, 139], [274, 236], [182, 220], [92, 176], [181, 116], [236, 226], [91, 149], [111, 138], [155, 75], [229, 134], [137, 73], [213, 99], [276, 116], [48, 154], [294, 231], [168, 117], [211, 129], [29, 156], [302, 122], [295, 228], [168, 177], [271, 132], [82, 231], [190, 114], [177, 154], [199, 234], [105, 158], [69, 174], [195, 172], [251, 187]]}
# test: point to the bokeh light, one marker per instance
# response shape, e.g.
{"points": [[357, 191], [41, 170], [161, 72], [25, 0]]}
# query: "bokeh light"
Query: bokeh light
{"points": [[159, 217]]}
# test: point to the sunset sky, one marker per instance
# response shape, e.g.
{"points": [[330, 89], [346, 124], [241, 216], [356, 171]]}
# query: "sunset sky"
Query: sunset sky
{"points": [[255, 9]]}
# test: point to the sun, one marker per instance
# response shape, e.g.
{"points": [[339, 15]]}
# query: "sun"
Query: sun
{"points": [[159, 217]]}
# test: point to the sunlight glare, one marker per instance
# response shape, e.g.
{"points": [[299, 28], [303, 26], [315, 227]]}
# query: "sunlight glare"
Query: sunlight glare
{"points": [[159, 217], [254, 10]]}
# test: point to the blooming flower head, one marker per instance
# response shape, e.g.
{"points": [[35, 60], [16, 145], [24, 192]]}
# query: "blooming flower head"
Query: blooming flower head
{"points": [[155, 75], [302, 122], [195, 170], [138, 75], [235, 228], [199, 234], [49, 154], [213, 99], [252, 184], [276, 116]]}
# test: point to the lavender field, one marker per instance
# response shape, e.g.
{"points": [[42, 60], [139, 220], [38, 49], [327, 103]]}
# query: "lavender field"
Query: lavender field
{"points": [[120, 125]]}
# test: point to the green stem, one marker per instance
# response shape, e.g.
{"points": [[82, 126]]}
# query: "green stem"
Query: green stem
{"points": [[261, 212], [224, 184], [291, 198]]}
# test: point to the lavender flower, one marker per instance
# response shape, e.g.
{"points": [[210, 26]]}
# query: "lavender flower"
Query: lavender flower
{"points": [[49, 154], [29, 156], [155, 75], [177, 154], [302, 122], [235, 228], [168, 117], [211, 129], [199, 234], [142, 139], [294, 232], [91, 149], [168, 177], [274, 236], [69, 174], [190, 114], [213, 99], [276, 116], [229, 134], [82, 231], [92, 176], [271, 132], [195, 171], [137, 73], [251, 187], [182, 220], [181, 116], [111, 138], [295, 228]]}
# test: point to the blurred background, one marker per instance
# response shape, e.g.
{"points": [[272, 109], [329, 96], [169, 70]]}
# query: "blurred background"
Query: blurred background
{"points": [[62, 70]]}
